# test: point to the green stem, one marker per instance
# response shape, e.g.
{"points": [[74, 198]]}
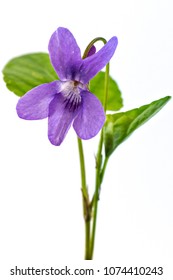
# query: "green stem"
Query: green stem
{"points": [[91, 44], [96, 195], [87, 240], [106, 87], [103, 169], [99, 170], [82, 168], [85, 200], [87, 205]]}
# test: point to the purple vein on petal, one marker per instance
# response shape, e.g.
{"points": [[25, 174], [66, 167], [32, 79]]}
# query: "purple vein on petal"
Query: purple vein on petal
{"points": [[94, 63], [35, 103], [59, 120], [91, 117], [64, 53]]}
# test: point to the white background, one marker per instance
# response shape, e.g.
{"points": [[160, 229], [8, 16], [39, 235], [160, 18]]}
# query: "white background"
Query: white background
{"points": [[40, 197]]}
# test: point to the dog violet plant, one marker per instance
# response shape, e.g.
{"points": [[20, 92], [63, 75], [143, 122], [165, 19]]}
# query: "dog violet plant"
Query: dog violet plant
{"points": [[68, 100], [70, 90]]}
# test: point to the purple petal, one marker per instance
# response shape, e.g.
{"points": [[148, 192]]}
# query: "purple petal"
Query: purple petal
{"points": [[91, 117], [94, 63], [65, 54], [35, 103], [59, 121]]}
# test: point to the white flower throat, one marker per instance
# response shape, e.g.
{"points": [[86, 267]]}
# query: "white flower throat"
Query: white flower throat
{"points": [[71, 91]]}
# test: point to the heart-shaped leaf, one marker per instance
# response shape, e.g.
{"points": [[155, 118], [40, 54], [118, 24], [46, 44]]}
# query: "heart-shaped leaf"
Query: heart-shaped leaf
{"points": [[121, 125], [28, 71]]}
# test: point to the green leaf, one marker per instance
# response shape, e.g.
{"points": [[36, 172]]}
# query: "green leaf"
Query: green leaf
{"points": [[114, 102], [121, 125], [27, 71]]}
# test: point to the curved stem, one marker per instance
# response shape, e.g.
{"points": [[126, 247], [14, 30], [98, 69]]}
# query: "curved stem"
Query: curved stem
{"points": [[91, 44]]}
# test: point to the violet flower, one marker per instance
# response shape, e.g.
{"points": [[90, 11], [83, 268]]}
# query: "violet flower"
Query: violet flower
{"points": [[68, 101]]}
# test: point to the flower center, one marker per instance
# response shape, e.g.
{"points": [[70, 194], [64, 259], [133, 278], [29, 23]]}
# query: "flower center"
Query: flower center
{"points": [[71, 92]]}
